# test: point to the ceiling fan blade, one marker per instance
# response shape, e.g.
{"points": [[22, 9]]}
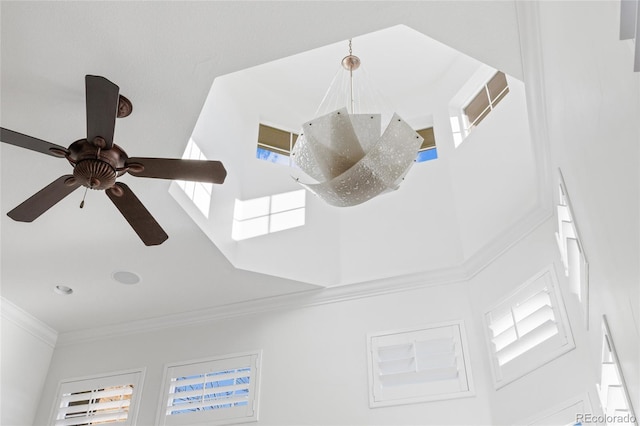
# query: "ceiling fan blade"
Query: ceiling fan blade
{"points": [[102, 109], [137, 215], [29, 142], [170, 168], [44, 199]]}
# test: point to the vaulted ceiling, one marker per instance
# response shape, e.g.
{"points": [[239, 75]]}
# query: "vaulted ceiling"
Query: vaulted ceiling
{"points": [[165, 57]]}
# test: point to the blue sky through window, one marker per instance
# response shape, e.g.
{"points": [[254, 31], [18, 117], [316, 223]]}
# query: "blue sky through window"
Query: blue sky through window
{"points": [[272, 157], [426, 155], [218, 397]]}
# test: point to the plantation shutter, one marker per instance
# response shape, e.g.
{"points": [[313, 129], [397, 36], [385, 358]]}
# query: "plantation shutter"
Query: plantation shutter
{"points": [[612, 390], [100, 400], [211, 391], [423, 364], [523, 326], [528, 328]]}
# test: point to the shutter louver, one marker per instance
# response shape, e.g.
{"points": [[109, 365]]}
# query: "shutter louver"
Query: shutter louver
{"points": [[573, 257], [418, 365], [417, 362], [527, 329], [525, 326], [96, 401], [612, 389], [214, 391]]}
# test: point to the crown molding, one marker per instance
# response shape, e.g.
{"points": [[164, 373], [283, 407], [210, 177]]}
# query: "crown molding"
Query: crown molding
{"points": [[317, 297], [29, 323], [528, 16]]}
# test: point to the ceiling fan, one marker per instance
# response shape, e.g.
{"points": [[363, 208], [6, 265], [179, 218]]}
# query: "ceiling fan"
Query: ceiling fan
{"points": [[97, 162]]}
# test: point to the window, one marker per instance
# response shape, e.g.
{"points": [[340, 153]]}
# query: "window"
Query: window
{"points": [[198, 192], [573, 412], [486, 99], [427, 150], [275, 145], [471, 105], [264, 215], [414, 365], [612, 390], [527, 329], [218, 390], [576, 268], [98, 400], [629, 30]]}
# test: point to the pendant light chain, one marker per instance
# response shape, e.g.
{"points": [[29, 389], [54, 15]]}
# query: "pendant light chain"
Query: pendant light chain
{"points": [[351, 81]]}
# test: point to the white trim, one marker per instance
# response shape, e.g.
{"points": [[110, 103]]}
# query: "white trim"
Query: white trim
{"points": [[584, 282], [465, 361], [538, 418], [528, 16], [606, 334], [162, 407], [322, 296], [29, 323], [502, 378], [135, 400]]}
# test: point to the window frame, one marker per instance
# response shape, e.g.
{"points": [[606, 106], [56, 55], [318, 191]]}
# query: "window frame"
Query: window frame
{"points": [[293, 138], [462, 358], [578, 405], [565, 215], [429, 148], [492, 101], [541, 353], [607, 343], [94, 381], [459, 125], [212, 417]]}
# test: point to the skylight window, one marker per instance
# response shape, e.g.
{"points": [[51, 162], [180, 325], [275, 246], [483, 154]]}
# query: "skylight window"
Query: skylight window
{"points": [[219, 390], [528, 329], [198, 192], [428, 149], [275, 145], [98, 400], [265, 215], [486, 99], [475, 100]]}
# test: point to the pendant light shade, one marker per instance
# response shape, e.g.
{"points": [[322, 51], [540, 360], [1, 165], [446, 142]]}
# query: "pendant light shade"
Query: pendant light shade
{"points": [[345, 150]]}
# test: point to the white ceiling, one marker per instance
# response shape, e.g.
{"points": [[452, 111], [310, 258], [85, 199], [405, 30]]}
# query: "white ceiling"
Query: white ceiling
{"points": [[164, 57]]}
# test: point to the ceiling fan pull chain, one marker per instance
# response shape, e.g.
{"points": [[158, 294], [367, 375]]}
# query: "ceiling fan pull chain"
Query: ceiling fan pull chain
{"points": [[84, 196]]}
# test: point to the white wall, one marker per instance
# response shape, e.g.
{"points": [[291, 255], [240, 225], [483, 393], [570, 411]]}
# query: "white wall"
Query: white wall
{"points": [[593, 105], [563, 377], [26, 347], [315, 361]]}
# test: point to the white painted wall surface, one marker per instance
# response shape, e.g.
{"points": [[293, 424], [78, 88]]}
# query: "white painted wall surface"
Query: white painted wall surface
{"points": [[593, 104], [314, 368], [26, 347]]}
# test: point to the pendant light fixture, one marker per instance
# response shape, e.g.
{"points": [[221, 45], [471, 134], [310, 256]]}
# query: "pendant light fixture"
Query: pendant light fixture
{"points": [[345, 150]]}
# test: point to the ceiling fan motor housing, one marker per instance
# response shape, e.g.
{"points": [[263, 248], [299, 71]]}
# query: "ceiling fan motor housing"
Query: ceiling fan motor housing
{"points": [[94, 167]]}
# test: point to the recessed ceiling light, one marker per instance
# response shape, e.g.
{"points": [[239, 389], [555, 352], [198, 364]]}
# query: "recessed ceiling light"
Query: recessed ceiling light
{"points": [[126, 277], [63, 289]]}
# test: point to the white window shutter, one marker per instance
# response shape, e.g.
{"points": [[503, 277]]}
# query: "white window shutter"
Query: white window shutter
{"points": [[98, 400], [576, 267], [219, 390], [417, 365], [612, 389], [528, 328]]}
